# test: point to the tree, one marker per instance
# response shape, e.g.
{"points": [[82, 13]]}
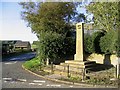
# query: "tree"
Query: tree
{"points": [[48, 16], [96, 36], [106, 15], [92, 42], [117, 44], [51, 22], [108, 43], [88, 44], [51, 46], [80, 17]]}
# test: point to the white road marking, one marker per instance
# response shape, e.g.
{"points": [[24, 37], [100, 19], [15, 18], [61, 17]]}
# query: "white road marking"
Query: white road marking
{"points": [[31, 83], [38, 81], [5, 81], [53, 85], [11, 62], [7, 78], [56, 85], [35, 84], [39, 84], [47, 85], [71, 86], [23, 80]]}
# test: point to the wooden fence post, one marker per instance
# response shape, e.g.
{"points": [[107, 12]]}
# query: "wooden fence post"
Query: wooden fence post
{"points": [[83, 74], [115, 71], [68, 71], [118, 70], [51, 67]]}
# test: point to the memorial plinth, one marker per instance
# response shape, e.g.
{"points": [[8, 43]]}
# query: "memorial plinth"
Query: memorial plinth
{"points": [[79, 56], [79, 61]]}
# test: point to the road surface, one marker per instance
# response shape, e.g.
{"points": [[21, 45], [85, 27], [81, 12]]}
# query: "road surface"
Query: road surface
{"points": [[14, 76]]}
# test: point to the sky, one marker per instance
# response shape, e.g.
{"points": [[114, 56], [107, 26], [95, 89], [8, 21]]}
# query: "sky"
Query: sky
{"points": [[12, 26]]}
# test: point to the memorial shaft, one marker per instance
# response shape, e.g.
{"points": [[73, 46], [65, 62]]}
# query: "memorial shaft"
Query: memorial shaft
{"points": [[79, 42]]}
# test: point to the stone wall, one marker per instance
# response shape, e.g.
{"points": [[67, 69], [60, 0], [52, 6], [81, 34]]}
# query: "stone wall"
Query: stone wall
{"points": [[103, 59]]}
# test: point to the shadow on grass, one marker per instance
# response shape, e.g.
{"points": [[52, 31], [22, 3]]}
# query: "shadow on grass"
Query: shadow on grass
{"points": [[100, 67]]}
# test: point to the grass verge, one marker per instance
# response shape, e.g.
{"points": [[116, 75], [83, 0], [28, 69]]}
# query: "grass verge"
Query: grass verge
{"points": [[34, 66], [96, 78]]}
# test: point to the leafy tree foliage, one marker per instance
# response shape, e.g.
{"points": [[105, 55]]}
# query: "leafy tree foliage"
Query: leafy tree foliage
{"points": [[80, 17], [54, 46], [96, 36], [51, 22], [108, 43], [117, 44], [49, 16], [88, 44], [106, 15], [51, 46], [92, 42]]}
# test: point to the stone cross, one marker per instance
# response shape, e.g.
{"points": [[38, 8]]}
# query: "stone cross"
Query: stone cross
{"points": [[79, 56]]}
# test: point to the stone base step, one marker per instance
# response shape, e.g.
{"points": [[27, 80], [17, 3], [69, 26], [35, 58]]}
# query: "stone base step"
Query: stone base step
{"points": [[64, 73], [79, 62], [78, 65], [65, 68], [75, 66]]}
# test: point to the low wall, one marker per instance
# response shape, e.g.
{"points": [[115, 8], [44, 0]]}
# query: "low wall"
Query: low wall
{"points": [[103, 59]]}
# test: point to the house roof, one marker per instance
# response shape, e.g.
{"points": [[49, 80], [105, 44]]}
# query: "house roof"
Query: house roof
{"points": [[9, 41], [22, 44]]}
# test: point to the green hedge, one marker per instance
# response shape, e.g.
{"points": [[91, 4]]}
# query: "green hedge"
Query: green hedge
{"points": [[55, 46], [108, 43], [102, 43], [88, 44], [92, 42]]}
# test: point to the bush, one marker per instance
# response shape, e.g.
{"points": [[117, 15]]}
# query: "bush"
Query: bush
{"points": [[107, 43], [117, 43], [92, 42], [96, 41], [88, 44], [69, 46], [51, 46]]}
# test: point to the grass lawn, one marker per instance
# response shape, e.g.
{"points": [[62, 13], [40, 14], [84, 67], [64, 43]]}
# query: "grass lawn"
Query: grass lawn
{"points": [[35, 66]]}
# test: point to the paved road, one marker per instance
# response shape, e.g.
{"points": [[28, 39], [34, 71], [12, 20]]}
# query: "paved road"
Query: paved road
{"points": [[13, 76]]}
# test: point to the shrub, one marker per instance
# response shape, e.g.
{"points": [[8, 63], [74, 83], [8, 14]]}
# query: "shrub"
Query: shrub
{"points": [[117, 43], [69, 46], [107, 43], [96, 41], [92, 42], [88, 44]]}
